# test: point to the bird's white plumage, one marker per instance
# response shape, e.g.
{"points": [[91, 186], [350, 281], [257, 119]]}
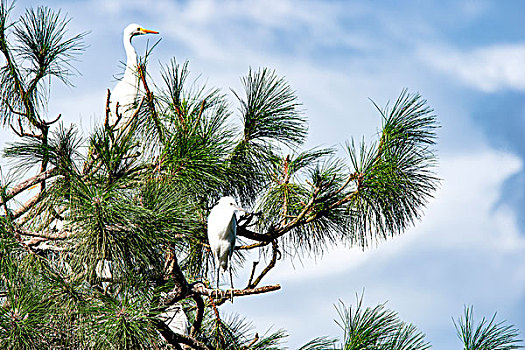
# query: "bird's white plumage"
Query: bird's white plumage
{"points": [[222, 231], [175, 318], [103, 269], [127, 90]]}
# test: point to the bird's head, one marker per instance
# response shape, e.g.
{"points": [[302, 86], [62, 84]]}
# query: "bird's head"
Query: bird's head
{"points": [[134, 29], [229, 202]]}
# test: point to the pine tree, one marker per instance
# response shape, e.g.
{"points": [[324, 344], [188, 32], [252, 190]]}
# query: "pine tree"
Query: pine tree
{"points": [[115, 235], [487, 334]]}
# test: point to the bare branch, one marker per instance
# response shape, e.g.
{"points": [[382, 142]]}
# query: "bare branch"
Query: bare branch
{"points": [[45, 246], [27, 205], [249, 246], [22, 133], [199, 288], [29, 182], [255, 263], [175, 338], [255, 339], [108, 110], [196, 326], [12, 110], [244, 232], [60, 235], [52, 121], [271, 265], [225, 294]]}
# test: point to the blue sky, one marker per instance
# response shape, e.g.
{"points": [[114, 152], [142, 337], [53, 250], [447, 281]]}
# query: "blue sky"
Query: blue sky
{"points": [[465, 57]]}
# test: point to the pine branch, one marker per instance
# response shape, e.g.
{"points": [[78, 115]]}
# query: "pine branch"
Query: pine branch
{"points": [[271, 265], [486, 334], [377, 328], [29, 183], [270, 111], [27, 205], [151, 104], [60, 235], [175, 338], [196, 326], [199, 288]]}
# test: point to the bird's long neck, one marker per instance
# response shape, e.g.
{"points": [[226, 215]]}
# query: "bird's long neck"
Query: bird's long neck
{"points": [[131, 64]]}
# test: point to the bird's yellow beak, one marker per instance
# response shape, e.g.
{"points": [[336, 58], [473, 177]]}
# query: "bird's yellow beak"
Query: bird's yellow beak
{"points": [[147, 31]]}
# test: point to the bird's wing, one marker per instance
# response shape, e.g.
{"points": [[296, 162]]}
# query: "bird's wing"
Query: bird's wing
{"points": [[232, 236], [214, 227], [175, 319], [216, 233]]}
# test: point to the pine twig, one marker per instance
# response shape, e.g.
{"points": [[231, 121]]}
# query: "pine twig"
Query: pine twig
{"points": [[255, 339], [196, 326], [271, 265], [60, 235], [255, 263], [175, 338], [27, 205], [151, 104], [24, 185]]}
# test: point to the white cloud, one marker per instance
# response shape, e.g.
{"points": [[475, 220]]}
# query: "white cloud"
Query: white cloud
{"points": [[487, 69], [474, 9]]}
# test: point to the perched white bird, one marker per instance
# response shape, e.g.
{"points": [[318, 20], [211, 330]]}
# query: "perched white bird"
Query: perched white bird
{"points": [[126, 91], [222, 233], [175, 318], [103, 271]]}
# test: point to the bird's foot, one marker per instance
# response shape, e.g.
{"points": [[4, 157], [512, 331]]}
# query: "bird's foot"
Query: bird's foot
{"points": [[231, 295]]}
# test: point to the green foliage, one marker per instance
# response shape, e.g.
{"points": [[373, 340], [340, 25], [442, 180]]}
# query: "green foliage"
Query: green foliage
{"points": [[41, 50], [486, 335], [395, 178], [270, 119], [27, 313], [41, 35], [62, 150], [235, 333], [122, 322], [320, 343], [269, 111], [377, 328]]}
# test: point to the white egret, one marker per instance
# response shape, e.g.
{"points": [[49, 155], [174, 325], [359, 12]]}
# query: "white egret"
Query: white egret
{"points": [[126, 91], [103, 271], [222, 233], [175, 318]]}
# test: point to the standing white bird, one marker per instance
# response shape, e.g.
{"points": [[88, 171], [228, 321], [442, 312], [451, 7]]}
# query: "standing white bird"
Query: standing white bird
{"points": [[222, 233], [175, 318], [126, 91], [103, 271]]}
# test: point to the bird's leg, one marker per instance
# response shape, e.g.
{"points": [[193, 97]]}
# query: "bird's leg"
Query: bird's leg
{"points": [[218, 270], [231, 283], [106, 287]]}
